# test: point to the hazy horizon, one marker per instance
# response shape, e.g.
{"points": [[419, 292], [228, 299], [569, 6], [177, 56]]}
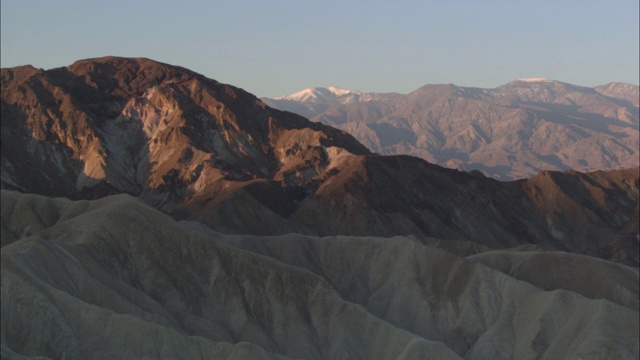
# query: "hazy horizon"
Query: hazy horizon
{"points": [[280, 48]]}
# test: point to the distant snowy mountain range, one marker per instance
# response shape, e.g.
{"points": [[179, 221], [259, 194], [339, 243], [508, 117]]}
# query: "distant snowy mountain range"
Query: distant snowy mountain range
{"points": [[508, 132]]}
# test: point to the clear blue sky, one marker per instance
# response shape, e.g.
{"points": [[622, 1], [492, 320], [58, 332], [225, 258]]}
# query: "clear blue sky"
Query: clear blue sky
{"points": [[272, 48]]}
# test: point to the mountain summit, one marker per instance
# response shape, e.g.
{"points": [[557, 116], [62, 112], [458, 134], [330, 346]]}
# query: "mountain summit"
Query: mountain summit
{"points": [[129, 125], [319, 94]]}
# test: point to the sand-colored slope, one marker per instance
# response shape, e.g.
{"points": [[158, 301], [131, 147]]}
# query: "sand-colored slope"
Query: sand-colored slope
{"points": [[115, 278]]}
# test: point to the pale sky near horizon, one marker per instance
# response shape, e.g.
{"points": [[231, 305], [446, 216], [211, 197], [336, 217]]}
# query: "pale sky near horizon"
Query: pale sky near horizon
{"points": [[273, 48]]}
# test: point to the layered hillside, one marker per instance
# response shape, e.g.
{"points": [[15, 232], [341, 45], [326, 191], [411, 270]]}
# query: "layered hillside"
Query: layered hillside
{"points": [[509, 132]]}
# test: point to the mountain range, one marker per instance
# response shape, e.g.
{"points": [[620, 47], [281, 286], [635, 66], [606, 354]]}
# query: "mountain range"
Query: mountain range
{"points": [[509, 132], [149, 211]]}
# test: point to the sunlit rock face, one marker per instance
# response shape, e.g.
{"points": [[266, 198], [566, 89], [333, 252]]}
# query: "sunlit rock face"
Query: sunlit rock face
{"points": [[135, 124]]}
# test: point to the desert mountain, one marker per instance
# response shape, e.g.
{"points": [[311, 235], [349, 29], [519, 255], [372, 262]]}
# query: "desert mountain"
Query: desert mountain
{"points": [[509, 132], [209, 152], [131, 125], [628, 92], [148, 211]]}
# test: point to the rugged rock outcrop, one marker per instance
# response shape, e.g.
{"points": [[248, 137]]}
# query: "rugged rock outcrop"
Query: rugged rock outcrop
{"points": [[132, 125]]}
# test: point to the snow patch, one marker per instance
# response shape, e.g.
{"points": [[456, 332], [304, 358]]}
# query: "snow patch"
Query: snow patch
{"points": [[317, 94], [535, 80]]}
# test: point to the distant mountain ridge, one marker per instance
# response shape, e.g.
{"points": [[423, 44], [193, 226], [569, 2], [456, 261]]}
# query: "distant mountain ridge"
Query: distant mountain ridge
{"points": [[509, 132]]}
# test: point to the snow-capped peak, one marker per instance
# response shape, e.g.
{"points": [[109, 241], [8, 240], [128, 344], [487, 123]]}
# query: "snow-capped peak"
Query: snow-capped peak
{"points": [[340, 92], [319, 94], [535, 80]]}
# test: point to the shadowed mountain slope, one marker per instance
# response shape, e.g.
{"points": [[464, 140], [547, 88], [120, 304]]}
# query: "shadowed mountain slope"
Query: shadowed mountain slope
{"points": [[116, 278]]}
